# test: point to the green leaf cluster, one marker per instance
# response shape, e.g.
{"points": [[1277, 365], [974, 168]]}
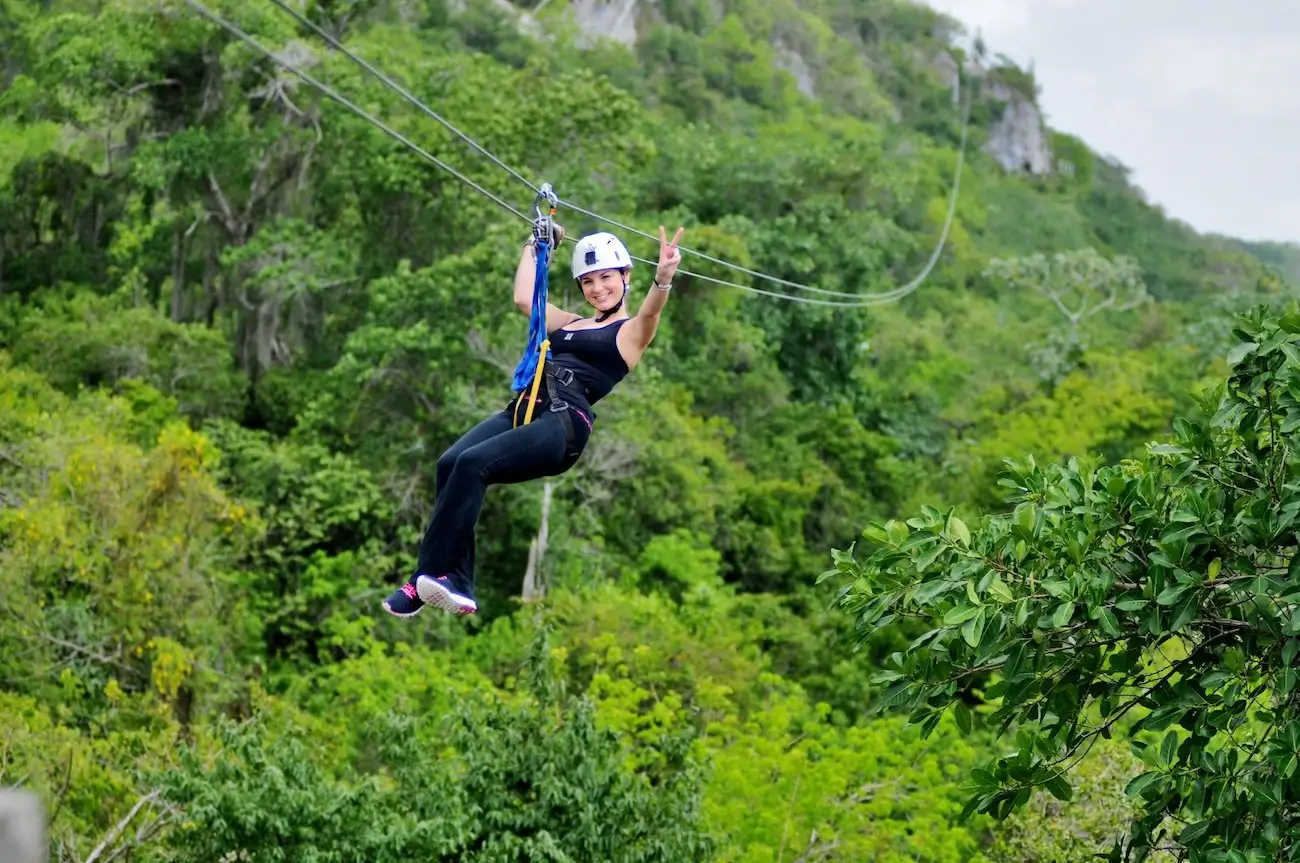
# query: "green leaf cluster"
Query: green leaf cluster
{"points": [[238, 325], [1153, 597]]}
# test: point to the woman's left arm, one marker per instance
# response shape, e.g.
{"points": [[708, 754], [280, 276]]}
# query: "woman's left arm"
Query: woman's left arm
{"points": [[643, 325]]}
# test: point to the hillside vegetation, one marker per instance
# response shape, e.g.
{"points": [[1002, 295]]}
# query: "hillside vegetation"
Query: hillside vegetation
{"points": [[239, 323]]}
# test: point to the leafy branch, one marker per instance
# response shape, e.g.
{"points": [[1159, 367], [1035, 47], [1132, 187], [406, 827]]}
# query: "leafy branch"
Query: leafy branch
{"points": [[1159, 595]]}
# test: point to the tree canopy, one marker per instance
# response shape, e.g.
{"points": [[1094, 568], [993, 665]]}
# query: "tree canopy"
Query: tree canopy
{"points": [[239, 323]]}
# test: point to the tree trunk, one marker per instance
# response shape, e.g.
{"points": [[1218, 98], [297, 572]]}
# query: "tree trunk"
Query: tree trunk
{"points": [[211, 302], [534, 586], [181, 251], [178, 274]]}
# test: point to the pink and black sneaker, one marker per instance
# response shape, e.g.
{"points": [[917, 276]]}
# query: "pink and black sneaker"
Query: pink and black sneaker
{"points": [[405, 601], [447, 592]]}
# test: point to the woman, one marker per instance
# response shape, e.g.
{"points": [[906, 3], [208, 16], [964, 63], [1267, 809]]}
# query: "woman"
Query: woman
{"points": [[589, 356]]}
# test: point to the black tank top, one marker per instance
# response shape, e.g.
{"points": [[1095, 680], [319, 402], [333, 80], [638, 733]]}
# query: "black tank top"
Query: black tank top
{"points": [[593, 356]]}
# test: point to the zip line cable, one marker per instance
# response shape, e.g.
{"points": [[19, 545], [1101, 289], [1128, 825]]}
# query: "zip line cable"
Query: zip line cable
{"points": [[345, 102], [400, 90], [794, 298], [449, 126], [883, 296], [240, 34], [859, 301], [872, 299]]}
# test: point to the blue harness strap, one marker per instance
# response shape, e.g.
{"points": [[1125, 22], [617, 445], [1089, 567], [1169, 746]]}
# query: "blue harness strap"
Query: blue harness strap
{"points": [[527, 367], [532, 363]]}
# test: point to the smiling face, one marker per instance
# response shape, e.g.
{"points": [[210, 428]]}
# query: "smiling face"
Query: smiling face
{"points": [[603, 288]]}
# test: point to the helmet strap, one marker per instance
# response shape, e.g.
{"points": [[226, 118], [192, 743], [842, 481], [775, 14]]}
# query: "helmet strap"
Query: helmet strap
{"points": [[605, 314]]}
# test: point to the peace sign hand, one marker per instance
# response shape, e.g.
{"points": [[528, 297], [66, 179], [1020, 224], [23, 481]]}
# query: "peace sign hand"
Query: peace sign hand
{"points": [[669, 256]]}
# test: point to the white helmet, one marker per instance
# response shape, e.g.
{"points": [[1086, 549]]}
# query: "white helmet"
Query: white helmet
{"points": [[600, 251]]}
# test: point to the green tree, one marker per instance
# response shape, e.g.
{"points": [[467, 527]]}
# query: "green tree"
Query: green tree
{"points": [[1079, 284], [85, 340], [1048, 830], [1107, 409], [1157, 598], [504, 777], [102, 541]]}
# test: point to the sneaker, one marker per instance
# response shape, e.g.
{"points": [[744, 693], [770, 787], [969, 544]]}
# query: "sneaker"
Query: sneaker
{"points": [[405, 602], [445, 592]]}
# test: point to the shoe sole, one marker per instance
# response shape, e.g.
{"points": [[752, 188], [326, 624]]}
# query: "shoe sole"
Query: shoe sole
{"points": [[439, 596]]}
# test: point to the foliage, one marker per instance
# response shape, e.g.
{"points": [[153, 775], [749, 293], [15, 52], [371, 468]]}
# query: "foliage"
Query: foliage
{"points": [[85, 340], [238, 324], [87, 777], [1079, 283], [317, 510], [500, 778], [1098, 812], [106, 541], [1155, 594], [787, 783], [785, 771], [1123, 222], [1284, 256], [1019, 81], [1104, 406]]}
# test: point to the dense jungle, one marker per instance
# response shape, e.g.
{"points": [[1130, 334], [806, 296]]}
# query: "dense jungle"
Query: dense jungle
{"points": [[1001, 567]]}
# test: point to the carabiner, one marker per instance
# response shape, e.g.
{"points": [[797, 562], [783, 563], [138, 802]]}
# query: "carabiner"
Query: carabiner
{"points": [[545, 193]]}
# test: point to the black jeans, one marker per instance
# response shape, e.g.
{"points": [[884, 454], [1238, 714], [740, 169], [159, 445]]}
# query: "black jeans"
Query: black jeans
{"points": [[492, 452]]}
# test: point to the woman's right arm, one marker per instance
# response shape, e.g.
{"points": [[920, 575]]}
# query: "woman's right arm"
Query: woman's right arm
{"points": [[525, 274]]}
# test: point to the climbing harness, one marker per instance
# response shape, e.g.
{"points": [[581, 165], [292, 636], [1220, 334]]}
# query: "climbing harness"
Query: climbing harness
{"points": [[852, 300], [555, 377], [535, 365]]}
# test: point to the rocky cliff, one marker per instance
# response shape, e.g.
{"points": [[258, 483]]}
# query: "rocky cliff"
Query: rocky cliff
{"points": [[1017, 137], [608, 19]]}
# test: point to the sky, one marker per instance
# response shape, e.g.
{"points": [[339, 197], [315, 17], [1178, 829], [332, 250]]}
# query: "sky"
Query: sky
{"points": [[1200, 98]]}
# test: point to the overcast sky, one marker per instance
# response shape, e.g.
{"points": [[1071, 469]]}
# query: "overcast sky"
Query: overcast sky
{"points": [[1201, 98]]}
